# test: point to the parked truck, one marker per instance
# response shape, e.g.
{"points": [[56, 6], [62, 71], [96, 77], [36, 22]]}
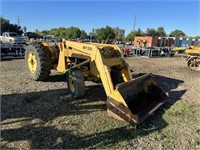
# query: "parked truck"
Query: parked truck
{"points": [[12, 38]]}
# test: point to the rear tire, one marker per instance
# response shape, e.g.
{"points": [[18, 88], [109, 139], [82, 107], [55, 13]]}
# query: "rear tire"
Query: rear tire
{"points": [[38, 62], [75, 83]]}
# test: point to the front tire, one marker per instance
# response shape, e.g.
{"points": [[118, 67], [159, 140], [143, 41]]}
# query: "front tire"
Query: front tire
{"points": [[37, 62], [75, 83]]}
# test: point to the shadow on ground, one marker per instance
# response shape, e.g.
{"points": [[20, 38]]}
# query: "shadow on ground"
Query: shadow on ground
{"points": [[48, 105], [56, 78]]}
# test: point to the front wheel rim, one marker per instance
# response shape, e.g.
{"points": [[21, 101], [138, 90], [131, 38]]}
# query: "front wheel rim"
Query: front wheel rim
{"points": [[72, 83], [32, 62]]}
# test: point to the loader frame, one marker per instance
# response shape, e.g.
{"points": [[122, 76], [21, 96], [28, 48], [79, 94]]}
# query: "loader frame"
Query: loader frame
{"points": [[90, 53]]}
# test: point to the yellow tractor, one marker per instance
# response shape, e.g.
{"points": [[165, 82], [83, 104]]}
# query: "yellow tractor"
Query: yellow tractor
{"points": [[193, 56], [128, 99]]}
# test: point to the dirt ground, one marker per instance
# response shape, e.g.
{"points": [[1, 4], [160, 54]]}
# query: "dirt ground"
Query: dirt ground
{"points": [[40, 115]]}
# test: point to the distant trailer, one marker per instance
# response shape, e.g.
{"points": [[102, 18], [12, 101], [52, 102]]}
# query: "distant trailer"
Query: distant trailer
{"points": [[153, 51], [12, 51]]}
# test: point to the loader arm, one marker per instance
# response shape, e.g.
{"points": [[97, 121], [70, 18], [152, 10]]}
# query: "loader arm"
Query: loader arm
{"points": [[92, 52]]}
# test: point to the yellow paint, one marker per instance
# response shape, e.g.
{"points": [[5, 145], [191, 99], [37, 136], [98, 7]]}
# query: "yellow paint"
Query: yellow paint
{"points": [[32, 62], [193, 51], [101, 59]]}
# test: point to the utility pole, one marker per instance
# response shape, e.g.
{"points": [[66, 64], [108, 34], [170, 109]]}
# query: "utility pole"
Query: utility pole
{"points": [[18, 21], [133, 28]]}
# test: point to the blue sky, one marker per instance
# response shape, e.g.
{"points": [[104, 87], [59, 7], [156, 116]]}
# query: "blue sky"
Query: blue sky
{"points": [[47, 14]]}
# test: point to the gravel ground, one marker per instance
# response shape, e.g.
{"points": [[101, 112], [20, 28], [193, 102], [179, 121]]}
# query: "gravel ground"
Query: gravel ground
{"points": [[40, 115]]}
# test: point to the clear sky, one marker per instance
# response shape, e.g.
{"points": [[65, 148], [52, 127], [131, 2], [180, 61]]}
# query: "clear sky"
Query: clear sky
{"points": [[47, 14]]}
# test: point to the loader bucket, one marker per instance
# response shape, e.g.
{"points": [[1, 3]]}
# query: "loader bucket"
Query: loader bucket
{"points": [[135, 100]]}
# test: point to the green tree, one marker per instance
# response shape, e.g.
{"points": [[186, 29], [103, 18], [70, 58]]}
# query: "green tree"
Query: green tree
{"points": [[93, 35], [53, 31], [139, 32], [39, 33], [131, 35], [33, 35], [73, 33], [177, 33], [119, 33], [6, 26], [151, 32], [105, 34], [197, 37], [83, 35], [61, 32], [24, 29], [68, 33], [45, 32], [161, 32]]}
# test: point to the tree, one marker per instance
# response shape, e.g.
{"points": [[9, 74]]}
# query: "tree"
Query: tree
{"points": [[119, 33], [105, 34], [73, 33], [197, 37], [68, 33], [177, 33], [151, 32], [83, 35], [38, 33], [6, 26], [53, 31], [24, 29], [61, 32], [33, 35], [161, 32], [93, 34], [45, 32], [139, 32], [131, 35]]}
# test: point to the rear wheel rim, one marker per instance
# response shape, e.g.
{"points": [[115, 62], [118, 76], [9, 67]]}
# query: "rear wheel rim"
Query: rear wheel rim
{"points": [[32, 62]]}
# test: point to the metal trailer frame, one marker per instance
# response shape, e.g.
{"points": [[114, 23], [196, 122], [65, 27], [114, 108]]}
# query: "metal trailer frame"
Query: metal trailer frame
{"points": [[153, 52], [12, 51]]}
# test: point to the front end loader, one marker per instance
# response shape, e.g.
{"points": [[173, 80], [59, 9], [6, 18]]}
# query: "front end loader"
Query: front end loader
{"points": [[128, 99], [193, 57]]}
